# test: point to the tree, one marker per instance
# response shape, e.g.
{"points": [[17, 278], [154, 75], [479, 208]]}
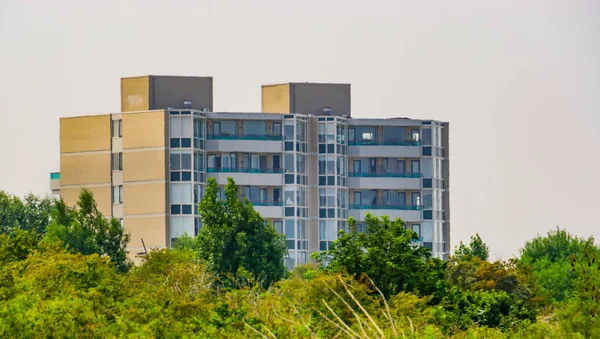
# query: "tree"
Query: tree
{"points": [[235, 237], [477, 248], [547, 259], [85, 230], [387, 254], [30, 214]]}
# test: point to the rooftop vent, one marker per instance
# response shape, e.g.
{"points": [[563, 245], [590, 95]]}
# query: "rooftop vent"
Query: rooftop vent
{"points": [[187, 104], [326, 110]]}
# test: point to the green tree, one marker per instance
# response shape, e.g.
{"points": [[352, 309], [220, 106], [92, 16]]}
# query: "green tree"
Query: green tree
{"points": [[85, 230], [387, 254], [547, 260], [235, 238], [477, 248], [30, 214]]}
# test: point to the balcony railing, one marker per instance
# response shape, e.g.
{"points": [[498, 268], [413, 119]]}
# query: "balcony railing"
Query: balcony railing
{"points": [[385, 207], [244, 137], [244, 170], [54, 176], [383, 143], [383, 175], [266, 203]]}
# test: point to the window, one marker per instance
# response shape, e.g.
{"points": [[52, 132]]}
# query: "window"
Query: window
{"points": [[415, 135], [117, 194], [393, 134], [417, 229], [357, 198], [255, 127], [350, 134], [415, 166], [216, 128], [117, 161], [401, 166], [276, 162], [262, 194], [357, 166], [117, 125], [276, 128], [416, 199], [276, 194], [401, 199]]}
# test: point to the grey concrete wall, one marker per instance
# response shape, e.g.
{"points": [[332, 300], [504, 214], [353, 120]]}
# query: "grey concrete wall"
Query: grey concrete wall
{"points": [[308, 98], [171, 91]]}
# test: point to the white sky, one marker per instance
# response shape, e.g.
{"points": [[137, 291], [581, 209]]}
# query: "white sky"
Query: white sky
{"points": [[519, 82]]}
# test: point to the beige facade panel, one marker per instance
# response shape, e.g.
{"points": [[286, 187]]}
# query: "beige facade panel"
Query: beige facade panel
{"points": [[144, 198], [152, 230], [85, 134], [135, 94], [145, 129], [276, 98], [85, 169], [102, 195], [146, 165]]}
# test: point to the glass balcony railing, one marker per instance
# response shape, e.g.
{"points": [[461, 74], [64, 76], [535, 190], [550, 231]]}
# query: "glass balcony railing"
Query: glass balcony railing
{"points": [[243, 170], [383, 175], [266, 203], [385, 207], [54, 176], [383, 143], [244, 137]]}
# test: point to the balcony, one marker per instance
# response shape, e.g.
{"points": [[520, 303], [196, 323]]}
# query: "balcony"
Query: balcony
{"points": [[269, 209], [55, 182], [390, 148], [384, 180], [247, 176], [243, 170], [383, 143], [383, 175], [405, 212], [244, 137]]}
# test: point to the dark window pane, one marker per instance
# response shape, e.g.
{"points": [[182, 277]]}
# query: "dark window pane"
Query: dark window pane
{"points": [[323, 245], [427, 215], [331, 213], [331, 180], [175, 209], [426, 151], [330, 148], [289, 178], [290, 244], [186, 176], [322, 180], [175, 176], [186, 209], [175, 143], [289, 146], [322, 213], [289, 211], [322, 148], [186, 142], [427, 183]]}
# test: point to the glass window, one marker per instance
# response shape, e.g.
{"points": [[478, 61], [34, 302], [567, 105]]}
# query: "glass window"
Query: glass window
{"points": [[262, 194], [117, 194], [116, 128], [401, 166], [351, 134], [415, 166], [427, 168], [289, 162], [276, 162], [393, 134], [216, 128], [186, 161], [276, 128], [227, 127], [427, 199], [186, 127], [175, 127], [357, 198], [365, 133], [357, 166], [117, 161], [278, 224], [289, 228], [415, 135], [401, 199], [416, 199], [276, 194], [427, 136], [417, 229], [255, 127]]}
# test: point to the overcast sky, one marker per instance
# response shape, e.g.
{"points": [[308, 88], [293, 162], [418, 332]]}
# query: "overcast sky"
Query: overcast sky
{"points": [[519, 82]]}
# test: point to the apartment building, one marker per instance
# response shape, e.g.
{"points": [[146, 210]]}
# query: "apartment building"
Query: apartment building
{"points": [[304, 163]]}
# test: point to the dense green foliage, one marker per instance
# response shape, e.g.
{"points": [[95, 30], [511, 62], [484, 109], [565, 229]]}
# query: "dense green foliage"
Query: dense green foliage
{"points": [[65, 275], [235, 237]]}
